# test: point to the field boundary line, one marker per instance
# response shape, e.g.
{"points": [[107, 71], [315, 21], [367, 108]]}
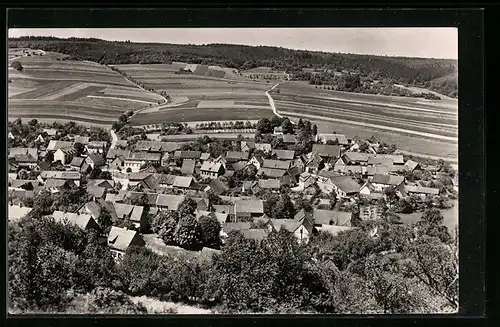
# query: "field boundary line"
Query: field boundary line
{"points": [[117, 98]]}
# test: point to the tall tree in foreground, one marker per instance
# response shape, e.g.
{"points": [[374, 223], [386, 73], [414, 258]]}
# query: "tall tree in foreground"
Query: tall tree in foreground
{"points": [[210, 230], [188, 233]]}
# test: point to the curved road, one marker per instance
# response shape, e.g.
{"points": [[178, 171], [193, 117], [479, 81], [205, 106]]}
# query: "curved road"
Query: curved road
{"points": [[271, 101]]}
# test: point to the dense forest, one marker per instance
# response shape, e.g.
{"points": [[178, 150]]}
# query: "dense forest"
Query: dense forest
{"points": [[432, 73]]}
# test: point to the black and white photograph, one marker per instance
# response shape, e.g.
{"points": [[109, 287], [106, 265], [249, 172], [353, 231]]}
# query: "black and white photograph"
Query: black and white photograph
{"points": [[262, 170]]}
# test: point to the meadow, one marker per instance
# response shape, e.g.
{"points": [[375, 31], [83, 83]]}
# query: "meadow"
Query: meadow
{"points": [[49, 88]]}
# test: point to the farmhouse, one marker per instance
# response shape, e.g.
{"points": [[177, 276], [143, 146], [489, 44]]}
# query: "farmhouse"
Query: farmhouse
{"points": [[340, 138], [95, 160], [211, 170], [302, 229], [120, 239], [248, 209], [421, 191], [326, 151], [380, 182], [169, 202], [24, 161], [283, 154], [81, 220], [276, 164], [137, 159], [271, 172], [412, 165], [345, 186], [257, 161], [96, 147], [235, 156], [353, 158], [116, 153], [64, 155], [183, 182], [65, 175], [187, 155]]}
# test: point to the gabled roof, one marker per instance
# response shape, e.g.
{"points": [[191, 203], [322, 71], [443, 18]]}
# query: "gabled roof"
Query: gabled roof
{"points": [[218, 186], [212, 167], [183, 181], [74, 175], [23, 151], [341, 138], [17, 212], [97, 144], [240, 165], [152, 197], [269, 184], [283, 154], [120, 238], [388, 179], [423, 190], [291, 224], [56, 145], [276, 164], [224, 208], [346, 184], [325, 150], [237, 155], [113, 153], [134, 212], [77, 162], [272, 173], [323, 217], [138, 176], [411, 165], [289, 138], [328, 174], [170, 201], [221, 217], [249, 144], [100, 183], [205, 156], [97, 159], [357, 156], [187, 154], [249, 206], [148, 156], [82, 139], [263, 146], [96, 191], [81, 220], [188, 166], [240, 226]]}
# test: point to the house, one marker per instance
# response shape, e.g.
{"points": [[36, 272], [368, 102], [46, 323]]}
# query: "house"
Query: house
{"points": [[374, 140], [120, 239], [81, 220], [218, 186], [271, 173], [323, 217], [333, 229], [169, 202], [13, 152], [50, 131], [235, 156], [266, 184], [421, 191], [221, 217], [188, 166], [313, 162], [257, 161], [56, 145], [25, 161], [11, 136], [128, 211], [187, 155], [113, 154], [64, 155], [77, 162], [248, 209], [302, 229], [40, 138], [23, 184], [157, 146], [325, 137], [412, 165], [289, 139], [97, 192], [58, 185], [345, 186], [210, 169], [96, 147], [135, 160], [380, 182], [240, 165], [276, 164], [325, 151], [370, 212], [247, 146], [225, 209], [95, 160], [283, 154], [278, 130], [298, 163], [289, 180], [16, 212], [85, 140], [65, 175], [264, 147], [306, 180]]}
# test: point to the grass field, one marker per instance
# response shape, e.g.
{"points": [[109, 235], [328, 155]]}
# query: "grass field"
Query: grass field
{"points": [[203, 97], [87, 92]]}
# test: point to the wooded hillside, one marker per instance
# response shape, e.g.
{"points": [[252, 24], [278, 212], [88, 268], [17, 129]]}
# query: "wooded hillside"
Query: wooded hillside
{"points": [[411, 71]]}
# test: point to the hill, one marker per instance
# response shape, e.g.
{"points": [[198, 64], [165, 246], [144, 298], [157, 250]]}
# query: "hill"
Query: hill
{"points": [[411, 71], [48, 87]]}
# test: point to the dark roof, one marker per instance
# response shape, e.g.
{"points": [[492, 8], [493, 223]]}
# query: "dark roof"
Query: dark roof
{"points": [[326, 150], [387, 179], [237, 155], [323, 217], [272, 173], [276, 164], [187, 154], [98, 192], [97, 159], [218, 186], [77, 162], [188, 166], [240, 165], [283, 154], [346, 184]]}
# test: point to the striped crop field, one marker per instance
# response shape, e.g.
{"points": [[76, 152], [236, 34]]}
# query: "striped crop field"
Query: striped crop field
{"points": [[204, 97], [48, 88]]}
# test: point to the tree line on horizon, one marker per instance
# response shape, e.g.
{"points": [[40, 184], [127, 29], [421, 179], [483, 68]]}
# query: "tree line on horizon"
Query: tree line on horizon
{"points": [[411, 71]]}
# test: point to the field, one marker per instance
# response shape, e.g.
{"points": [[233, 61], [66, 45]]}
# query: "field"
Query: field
{"points": [[198, 97], [415, 125], [51, 89]]}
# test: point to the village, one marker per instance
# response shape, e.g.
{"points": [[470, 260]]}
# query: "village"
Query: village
{"points": [[288, 176]]}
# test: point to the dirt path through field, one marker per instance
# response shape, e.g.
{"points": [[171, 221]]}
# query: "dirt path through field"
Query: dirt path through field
{"points": [[271, 101]]}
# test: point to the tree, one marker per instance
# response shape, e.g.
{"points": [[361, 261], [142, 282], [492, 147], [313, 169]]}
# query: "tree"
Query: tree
{"points": [[214, 199], [80, 148], [188, 233], [314, 129], [264, 126], [105, 221], [17, 65], [210, 229], [300, 124], [287, 126], [33, 122], [187, 207], [129, 170], [284, 208]]}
